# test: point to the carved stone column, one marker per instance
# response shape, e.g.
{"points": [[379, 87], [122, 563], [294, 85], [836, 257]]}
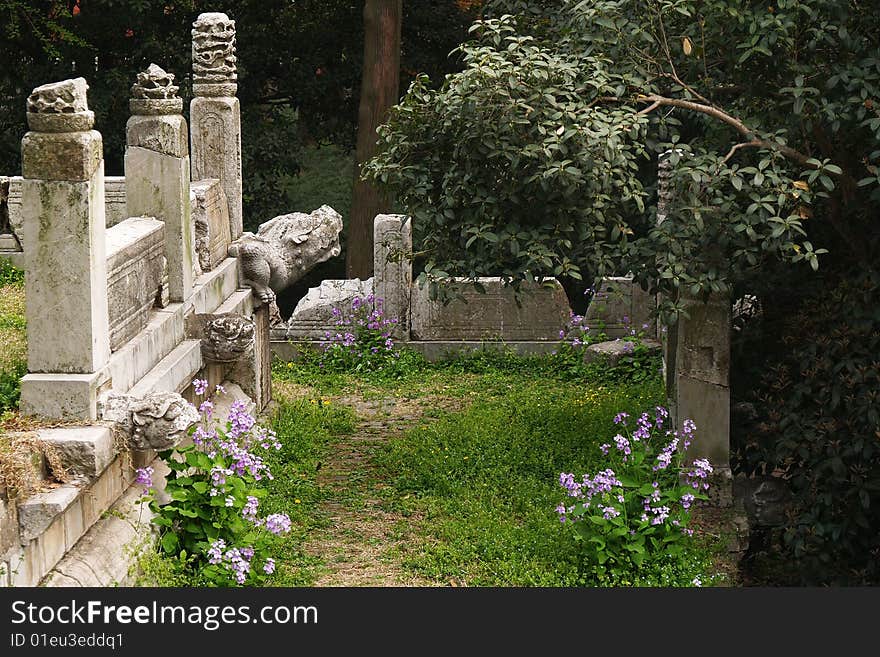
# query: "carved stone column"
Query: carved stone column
{"points": [[157, 171], [392, 268], [215, 116], [65, 262]]}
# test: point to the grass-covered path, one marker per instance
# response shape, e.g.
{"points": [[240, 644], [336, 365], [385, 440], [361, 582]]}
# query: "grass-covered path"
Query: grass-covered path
{"points": [[443, 477]]}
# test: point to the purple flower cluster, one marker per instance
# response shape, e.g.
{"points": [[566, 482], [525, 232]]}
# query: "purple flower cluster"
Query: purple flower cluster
{"points": [[249, 512], [363, 330], [697, 476], [666, 504], [278, 523], [236, 560], [144, 477]]}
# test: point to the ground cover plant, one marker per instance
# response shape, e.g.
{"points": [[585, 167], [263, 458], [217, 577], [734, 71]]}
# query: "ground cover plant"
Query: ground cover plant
{"points": [[462, 460], [13, 338]]}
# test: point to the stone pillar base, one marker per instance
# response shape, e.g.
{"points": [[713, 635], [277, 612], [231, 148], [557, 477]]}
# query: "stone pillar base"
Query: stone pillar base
{"points": [[61, 396]]}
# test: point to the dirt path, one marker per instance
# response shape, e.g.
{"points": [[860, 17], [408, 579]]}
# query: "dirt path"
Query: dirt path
{"points": [[360, 546]]}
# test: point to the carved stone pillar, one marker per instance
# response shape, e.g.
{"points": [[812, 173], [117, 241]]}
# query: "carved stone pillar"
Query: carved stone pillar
{"points": [[157, 172], [215, 116], [65, 262]]}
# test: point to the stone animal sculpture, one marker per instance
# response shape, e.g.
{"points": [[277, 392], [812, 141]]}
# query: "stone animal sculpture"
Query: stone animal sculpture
{"points": [[285, 248], [158, 421]]}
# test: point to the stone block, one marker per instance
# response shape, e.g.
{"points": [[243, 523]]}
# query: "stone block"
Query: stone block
{"points": [[165, 134], [215, 148], [8, 522], [157, 185], [543, 312], [84, 451], [214, 287], [13, 208], [704, 340], [313, 315], [619, 306], [135, 259], [613, 350], [70, 156], [68, 396], [104, 556], [708, 405], [210, 213], [66, 275], [114, 200], [39, 511], [114, 203], [392, 268]]}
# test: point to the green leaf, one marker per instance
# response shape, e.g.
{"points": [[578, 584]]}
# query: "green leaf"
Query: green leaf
{"points": [[169, 542]]}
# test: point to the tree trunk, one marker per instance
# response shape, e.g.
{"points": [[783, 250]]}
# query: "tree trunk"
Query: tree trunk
{"points": [[380, 89]]}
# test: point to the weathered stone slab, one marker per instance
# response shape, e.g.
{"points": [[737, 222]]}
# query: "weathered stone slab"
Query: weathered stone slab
{"points": [[313, 315], [114, 200], [114, 203], [73, 156], [69, 396], [157, 185], [619, 306], [215, 139], [135, 261], [210, 214], [84, 451], [40, 510], [166, 134], [392, 268], [174, 373], [613, 350], [104, 556], [494, 315]]}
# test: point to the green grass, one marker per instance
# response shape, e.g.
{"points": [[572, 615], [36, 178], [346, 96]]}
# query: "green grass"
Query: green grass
{"points": [[304, 428], [476, 488], [13, 335]]}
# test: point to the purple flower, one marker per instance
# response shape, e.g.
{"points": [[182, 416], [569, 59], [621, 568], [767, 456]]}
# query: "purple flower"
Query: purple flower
{"points": [[200, 386], [278, 523], [206, 408], [249, 512], [609, 512], [144, 477], [269, 566], [215, 554], [621, 418]]}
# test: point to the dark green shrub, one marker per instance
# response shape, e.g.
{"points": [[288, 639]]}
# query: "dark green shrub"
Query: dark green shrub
{"points": [[819, 425]]}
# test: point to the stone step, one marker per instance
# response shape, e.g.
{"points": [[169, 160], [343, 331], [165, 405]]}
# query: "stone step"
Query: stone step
{"points": [[166, 328], [85, 452], [106, 552], [174, 373], [52, 522]]}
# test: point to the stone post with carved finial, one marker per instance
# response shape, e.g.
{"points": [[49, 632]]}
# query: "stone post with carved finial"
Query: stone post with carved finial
{"points": [[157, 172], [62, 162], [215, 116]]}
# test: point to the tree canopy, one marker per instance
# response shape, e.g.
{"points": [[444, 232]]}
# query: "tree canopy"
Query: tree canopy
{"points": [[539, 158]]}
